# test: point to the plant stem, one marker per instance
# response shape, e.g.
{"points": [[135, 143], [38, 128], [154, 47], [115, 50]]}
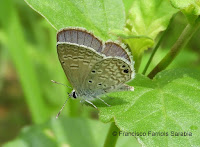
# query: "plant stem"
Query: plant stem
{"points": [[157, 46], [186, 35], [112, 136], [153, 53]]}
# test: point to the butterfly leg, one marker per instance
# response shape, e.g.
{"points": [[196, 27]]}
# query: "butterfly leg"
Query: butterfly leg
{"points": [[104, 101], [91, 104]]}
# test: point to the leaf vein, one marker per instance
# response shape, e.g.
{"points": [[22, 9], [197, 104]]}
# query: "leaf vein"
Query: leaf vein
{"points": [[184, 101], [147, 116], [148, 90], [180, 126]]}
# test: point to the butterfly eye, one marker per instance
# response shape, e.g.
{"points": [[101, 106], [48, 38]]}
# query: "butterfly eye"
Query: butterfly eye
{"points": [[126, 71], [90, 81], [74, 94]]}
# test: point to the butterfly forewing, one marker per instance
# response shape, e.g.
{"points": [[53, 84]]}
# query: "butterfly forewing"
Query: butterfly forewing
{"points": [[80, 37], [77, 51], [77, 62]]}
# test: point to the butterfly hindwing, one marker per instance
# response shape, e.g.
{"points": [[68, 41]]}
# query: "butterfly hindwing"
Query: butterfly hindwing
{"points": [[115, 50], [107, 74]]}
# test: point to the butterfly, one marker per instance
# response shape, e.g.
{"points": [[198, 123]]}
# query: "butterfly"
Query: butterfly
{"points": [[92, 67]]}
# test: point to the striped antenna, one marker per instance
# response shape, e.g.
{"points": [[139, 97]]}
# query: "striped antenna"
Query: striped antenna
{"points": [[62, 108], [61, 84], [66, 99]]}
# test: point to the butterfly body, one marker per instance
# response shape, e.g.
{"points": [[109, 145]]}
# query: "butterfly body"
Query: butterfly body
{"points": [[93, 68]]}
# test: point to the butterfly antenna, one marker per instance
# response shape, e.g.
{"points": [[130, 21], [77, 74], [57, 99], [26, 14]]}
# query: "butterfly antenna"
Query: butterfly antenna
{"points": [[62, 108], [61, 84]]}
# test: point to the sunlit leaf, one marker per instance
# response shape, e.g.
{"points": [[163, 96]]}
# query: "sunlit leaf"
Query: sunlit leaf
{"points": [[99, 16], [169, 102], [147, 19], [191, 8]]}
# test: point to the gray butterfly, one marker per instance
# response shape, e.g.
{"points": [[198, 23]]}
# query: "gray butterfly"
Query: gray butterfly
{"points": [[92, 67]]}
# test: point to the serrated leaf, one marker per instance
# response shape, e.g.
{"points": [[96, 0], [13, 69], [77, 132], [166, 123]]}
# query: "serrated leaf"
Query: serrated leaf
{"points": [[127, 5], [191, 8], [184, 3], [71, 132], [169, 102], [99, 16], [146, 18], [139, 45]]}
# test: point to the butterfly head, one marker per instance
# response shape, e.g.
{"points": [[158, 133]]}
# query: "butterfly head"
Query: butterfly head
{"points": [[73, 94]]}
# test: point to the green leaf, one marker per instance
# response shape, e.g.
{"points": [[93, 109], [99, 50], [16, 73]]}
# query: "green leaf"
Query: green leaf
{"points": [[169, 102], [71, 132], [146, 19], [183, 4], [127, 5], [191, 8], [100, 16]]}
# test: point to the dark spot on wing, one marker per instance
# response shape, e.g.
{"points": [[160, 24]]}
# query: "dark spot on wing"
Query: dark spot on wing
{"points": [[126, 71]]}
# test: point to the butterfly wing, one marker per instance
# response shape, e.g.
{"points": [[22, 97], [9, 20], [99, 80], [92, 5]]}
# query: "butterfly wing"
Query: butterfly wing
{"points": [[115, 50], [78, 52], [109, 75], [80, 36], [76, 61], [85, 58]]}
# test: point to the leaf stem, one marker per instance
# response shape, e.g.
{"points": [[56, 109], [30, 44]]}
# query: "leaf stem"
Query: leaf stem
{"points": [[186, 35], [153, 53], [112, 136], [157, 46]]}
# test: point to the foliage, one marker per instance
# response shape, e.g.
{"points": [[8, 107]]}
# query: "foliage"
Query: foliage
{"points": [[163, 104], [189, 8], [58, 133], [98, 16]]}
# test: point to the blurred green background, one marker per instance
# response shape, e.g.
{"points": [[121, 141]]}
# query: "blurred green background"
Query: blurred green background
{"points": [[28, 61]]}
